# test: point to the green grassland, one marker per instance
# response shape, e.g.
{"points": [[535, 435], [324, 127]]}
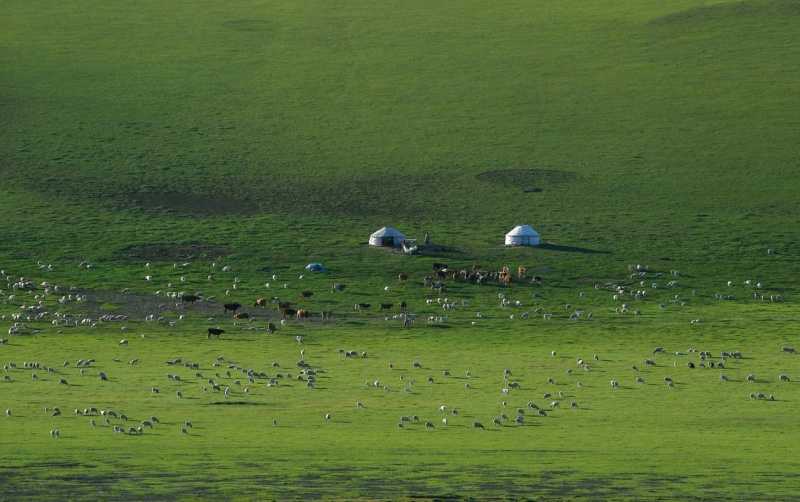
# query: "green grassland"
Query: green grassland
{"points": [[265, 135]]}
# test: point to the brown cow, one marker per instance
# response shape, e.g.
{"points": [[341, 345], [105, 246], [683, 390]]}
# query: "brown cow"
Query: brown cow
{"points": [[303, 314]]}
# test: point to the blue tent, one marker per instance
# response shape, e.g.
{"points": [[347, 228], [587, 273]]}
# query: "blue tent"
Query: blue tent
{"points": [[315, 267]]}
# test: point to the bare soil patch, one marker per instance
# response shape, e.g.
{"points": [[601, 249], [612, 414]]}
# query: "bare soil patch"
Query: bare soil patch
{"points": [[167, 251]]}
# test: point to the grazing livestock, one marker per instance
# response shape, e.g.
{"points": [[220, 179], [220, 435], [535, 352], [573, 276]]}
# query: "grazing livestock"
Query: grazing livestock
{"points": [[215, 332], [231, 307], [189, 298]]}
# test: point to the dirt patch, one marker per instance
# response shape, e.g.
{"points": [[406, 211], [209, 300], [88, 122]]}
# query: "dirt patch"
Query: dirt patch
{"points": [[136, 305], [164, 251], [528, 180]]}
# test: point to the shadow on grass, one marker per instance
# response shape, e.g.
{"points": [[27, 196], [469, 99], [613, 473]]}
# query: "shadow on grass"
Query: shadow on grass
{"points": [[236, 403], [571, 249]]}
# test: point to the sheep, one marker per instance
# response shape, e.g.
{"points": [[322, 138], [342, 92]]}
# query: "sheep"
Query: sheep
{"points": [[8, 412], [614, 383], [327, 417], [103, 376], [783, 377], [751, 378], [429, 425], [477, 425]]}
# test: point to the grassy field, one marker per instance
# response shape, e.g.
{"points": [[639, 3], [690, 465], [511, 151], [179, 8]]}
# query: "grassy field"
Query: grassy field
{"points": [[265, 135]]}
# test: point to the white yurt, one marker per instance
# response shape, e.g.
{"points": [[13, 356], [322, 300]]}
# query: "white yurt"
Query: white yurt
{"points": [[386, 237], [522, 235]]}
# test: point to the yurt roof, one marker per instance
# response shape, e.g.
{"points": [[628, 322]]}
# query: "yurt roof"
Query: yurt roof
{"points": [[523, 230], [387, 232]]}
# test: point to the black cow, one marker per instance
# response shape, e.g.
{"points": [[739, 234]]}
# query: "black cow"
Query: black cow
{"points": [[233, 307]]}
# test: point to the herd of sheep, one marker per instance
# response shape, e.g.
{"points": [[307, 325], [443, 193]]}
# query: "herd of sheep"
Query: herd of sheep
{"points": [[33, 307]]}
